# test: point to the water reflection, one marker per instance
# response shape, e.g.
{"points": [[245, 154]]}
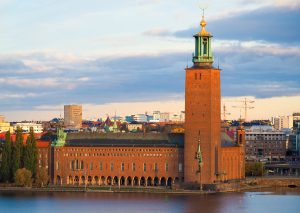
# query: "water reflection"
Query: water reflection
{"points": [[275, 201]]}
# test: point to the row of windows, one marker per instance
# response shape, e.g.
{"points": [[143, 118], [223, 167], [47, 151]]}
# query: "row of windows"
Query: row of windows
{"points": [[116, 155], [79, 165], [122, 150]]}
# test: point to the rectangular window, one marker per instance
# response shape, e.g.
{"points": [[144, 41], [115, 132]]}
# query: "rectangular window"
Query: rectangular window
{"points": [[155, 167], [57, 165], [167, 166], [180, 167], [111, 166], [145, 167], [101, 166], [91, 166], [122, 166], [82, 165], [133, 167]]}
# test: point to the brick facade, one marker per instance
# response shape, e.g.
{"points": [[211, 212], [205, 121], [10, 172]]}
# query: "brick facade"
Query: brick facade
{"points": [[127, 166]]}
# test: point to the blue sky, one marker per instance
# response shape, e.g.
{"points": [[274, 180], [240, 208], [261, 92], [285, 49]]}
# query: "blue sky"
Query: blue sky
{"points": [[97, 52]]}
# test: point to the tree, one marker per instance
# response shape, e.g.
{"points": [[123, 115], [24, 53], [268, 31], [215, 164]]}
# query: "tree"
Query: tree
{"points": [[23, 177], [17, 151], [6, 159], [254, 169], [42, 177], [30, 153]]}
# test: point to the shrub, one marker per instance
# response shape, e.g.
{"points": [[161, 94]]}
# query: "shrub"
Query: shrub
{"points": [[23, 177]]}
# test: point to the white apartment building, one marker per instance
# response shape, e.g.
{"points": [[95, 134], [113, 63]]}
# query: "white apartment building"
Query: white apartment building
{"points": [[37, 128], [282, 122]]}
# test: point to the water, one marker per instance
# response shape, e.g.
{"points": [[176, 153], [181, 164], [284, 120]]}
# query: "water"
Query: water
{"points": [[273, 201]]}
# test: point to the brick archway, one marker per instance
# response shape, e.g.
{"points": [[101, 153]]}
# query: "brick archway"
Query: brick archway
{"points": [[149, 181], [122, 181], [163, 181], [102, 180], [156, 181], [129, 181], [109, 180], [136, 181]]}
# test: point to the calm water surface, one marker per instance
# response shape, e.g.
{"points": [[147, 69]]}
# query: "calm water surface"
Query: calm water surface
{"points": [[269, 201]]}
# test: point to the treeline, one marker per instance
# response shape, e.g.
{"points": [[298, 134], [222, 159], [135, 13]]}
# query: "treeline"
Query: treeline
{"points": [[19, 161]]}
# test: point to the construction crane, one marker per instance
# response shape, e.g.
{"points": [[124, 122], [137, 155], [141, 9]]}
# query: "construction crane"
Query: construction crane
{"points": [[225, 112], [245, 106]]}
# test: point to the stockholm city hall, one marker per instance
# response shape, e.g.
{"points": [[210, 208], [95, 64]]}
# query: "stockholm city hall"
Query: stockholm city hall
{"points": [[196, 158]]}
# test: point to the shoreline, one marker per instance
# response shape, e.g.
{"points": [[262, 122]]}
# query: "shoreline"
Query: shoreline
{"points": [[246, 185], [130, 190]]}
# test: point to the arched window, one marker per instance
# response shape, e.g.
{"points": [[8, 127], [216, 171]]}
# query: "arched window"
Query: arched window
{"points": [[145, 167]]}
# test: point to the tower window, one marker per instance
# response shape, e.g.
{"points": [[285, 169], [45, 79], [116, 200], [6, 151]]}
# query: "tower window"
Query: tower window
{"points": [[200, 76], [205, 46]]}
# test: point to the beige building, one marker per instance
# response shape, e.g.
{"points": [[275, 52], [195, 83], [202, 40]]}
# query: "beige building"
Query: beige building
{"points": [[5, 126], [73, 116], [2, 118], [37, 128]]}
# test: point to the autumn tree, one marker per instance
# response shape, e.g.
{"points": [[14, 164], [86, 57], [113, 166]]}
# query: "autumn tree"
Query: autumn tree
{"points": [[23, 177], [42, 177]]}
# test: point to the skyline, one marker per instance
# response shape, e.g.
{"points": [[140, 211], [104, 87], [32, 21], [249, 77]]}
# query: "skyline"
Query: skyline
{"points": [[54, 54]]}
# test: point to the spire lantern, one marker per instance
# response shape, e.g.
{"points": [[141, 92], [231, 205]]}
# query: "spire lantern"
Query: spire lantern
{"points": [[203, 54]]}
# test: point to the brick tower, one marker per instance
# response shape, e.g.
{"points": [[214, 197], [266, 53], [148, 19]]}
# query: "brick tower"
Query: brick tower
{"points": [[203, 119]]}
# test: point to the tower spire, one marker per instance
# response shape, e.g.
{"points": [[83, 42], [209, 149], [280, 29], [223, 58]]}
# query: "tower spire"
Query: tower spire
{"points": [[203, 54]]}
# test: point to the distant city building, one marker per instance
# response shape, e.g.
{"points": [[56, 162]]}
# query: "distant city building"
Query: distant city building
{"points": [[116, 118], [134, 127], [296, 120], [175, 118], [2, 118], [156, 115], [164, 117], [282, 122], [142, 118], [149, 118], [264, 143], [129, 118], [73, 116], [37, 128], [5, 126], [294, 141]]}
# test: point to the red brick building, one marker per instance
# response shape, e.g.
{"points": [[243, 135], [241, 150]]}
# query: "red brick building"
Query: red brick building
{"points": [[197, 157], [119, 159], [205, 161]]}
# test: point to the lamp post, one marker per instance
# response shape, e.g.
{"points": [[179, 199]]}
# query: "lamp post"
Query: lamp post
{"points": [[199, 160]]}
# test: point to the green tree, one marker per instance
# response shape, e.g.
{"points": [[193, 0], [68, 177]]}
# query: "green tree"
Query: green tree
{"points": [[23, 177], [30, 153], [6, 159], [17, 151], [254, 169]]}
